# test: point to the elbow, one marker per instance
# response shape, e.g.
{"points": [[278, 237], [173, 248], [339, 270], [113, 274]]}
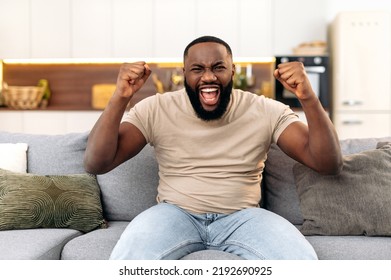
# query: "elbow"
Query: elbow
{"points": [[333, 168], [91, 166]]}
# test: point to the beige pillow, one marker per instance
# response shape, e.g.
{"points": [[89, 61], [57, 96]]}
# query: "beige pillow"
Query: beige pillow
{"points": [[13, 157], [63, 201], [355, 202]]}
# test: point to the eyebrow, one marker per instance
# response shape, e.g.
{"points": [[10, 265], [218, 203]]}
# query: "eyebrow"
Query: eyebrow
{"points": [[196, 64]]}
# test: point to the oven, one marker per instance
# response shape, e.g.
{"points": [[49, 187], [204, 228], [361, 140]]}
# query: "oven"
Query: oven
{"points": [[317, 72]]}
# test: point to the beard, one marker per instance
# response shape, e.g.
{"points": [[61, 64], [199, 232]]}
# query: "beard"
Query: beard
{"points": [[225, 97]]}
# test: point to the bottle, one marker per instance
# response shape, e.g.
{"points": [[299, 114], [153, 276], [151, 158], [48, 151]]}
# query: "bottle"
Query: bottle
{"points": [[240, 79]]}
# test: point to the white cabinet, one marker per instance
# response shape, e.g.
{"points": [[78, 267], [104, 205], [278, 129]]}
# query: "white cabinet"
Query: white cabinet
{"points": [[219, 18], [174, 26], [50, 29], [91, 28], [245, 25], [298, 21], [255, 28], [132, 32], [37, 122], [48, 122], [131, 28], [14, 29], [81, 121], [11, 121], [361, 48]]}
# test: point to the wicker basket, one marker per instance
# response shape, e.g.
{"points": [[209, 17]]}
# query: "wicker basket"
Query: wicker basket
{"points": [[18, 97]]}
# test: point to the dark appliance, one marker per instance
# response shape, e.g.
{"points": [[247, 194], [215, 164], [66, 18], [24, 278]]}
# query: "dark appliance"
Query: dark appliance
{"points": [[317, 71]]}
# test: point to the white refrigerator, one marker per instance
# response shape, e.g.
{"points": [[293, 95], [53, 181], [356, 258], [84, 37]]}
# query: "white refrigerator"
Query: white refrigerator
{"points": [[360, 60]]}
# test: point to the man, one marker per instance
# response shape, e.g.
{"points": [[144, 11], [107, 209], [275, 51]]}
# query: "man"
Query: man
{"points": [[211, 143]]}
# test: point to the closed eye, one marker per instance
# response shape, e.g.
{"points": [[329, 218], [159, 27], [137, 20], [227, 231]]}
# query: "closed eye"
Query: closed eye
{"points": [[219, 68], [196, 69]]}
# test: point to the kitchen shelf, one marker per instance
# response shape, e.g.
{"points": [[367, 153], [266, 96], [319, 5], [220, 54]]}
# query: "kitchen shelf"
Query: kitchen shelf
{"points": [[71, 81]]}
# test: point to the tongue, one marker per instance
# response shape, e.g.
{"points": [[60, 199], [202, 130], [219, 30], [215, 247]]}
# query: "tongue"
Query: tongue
{"points": [[209, 95]]}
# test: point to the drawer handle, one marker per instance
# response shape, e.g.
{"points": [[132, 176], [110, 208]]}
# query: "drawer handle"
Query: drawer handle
{"points": [[352, 102], [352, 122]]}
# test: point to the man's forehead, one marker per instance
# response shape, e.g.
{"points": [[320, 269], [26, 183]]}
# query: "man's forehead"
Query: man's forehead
{"points": [[207, 52]]}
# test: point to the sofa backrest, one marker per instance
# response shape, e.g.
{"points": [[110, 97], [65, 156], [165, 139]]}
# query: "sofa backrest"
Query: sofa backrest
{"points": [[132, 187], [126, 191], [51, 154]]}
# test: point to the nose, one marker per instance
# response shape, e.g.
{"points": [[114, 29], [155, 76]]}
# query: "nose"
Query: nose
{"points": [[208, 75]]}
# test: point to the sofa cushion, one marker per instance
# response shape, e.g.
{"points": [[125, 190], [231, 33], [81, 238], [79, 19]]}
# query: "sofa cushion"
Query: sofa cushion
{"points": [[51, 154], [351, 247], [13, 156], [279, 192], [36, 201], [355, 202], [95, 245], [98, 244], [34, 244], [211, 255], [131, 187]]}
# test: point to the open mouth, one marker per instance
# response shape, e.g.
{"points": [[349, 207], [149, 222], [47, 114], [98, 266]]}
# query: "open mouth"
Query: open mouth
{"points": [[209, 96]]}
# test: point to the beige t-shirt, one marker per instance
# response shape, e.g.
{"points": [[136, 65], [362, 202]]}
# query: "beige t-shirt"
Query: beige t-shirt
{"points": [[215, 166]]}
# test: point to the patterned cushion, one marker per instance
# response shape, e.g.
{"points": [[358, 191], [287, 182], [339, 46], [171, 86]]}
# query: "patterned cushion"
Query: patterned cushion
{"points": [[55, 201]]}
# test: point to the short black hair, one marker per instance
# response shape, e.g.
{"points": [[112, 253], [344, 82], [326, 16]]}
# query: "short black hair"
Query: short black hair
{"points": [[207, 39]]}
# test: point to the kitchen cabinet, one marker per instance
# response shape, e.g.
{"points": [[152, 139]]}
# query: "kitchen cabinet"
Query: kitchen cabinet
{"points": [[255, 28], [91, 28], [219, 18], [296, 22], [48, 122], [174, 26], [133, 28], [245, 25], [51, 29], [11, 121], [14, 29], [37, 122]]}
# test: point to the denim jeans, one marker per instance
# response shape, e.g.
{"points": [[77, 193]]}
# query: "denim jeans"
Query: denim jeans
{"points": [[166, 231]]}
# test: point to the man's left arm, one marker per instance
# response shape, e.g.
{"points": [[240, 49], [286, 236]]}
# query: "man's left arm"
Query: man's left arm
{"points": [[315, 145]]}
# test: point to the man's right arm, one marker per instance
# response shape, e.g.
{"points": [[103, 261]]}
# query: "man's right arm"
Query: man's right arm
{"points": [[110, 143]]}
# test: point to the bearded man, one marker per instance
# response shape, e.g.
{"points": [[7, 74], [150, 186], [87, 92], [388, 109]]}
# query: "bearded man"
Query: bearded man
{"points": [[211, 143]]}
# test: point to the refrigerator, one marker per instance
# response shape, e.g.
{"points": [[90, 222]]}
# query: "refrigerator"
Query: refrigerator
{"points": [[360, 64]]}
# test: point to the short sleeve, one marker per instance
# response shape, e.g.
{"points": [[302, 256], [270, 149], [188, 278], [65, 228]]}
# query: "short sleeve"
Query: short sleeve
{"points": [[141, 116], [283, 116]]}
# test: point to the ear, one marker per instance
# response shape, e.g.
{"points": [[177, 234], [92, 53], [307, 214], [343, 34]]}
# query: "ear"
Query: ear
{"points": [[233, 69]]}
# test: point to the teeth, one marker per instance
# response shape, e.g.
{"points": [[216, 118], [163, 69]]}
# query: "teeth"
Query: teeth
{"points": [[209, 89]]}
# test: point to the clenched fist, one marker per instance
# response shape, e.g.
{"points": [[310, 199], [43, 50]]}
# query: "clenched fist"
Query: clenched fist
{"points": [[293, 77], [131, 77]]}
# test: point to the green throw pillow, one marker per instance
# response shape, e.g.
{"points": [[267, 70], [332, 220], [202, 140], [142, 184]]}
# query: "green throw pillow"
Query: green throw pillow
{"points": [[355, 202], [53, 201]]}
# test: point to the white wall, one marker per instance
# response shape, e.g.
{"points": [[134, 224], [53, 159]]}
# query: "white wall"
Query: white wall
{"points": [[297, 21]]}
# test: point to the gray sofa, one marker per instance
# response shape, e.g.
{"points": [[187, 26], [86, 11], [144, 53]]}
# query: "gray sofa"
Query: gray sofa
{"points": [[131, 188]]}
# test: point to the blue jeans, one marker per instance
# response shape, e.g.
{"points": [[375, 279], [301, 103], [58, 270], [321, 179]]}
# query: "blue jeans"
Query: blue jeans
{"points": [[166, 231]]}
